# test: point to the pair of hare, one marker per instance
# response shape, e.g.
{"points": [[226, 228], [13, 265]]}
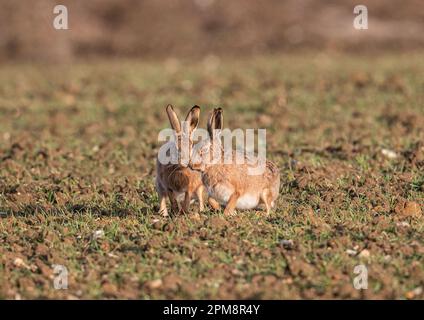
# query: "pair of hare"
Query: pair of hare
{"points": [[228, 184]]}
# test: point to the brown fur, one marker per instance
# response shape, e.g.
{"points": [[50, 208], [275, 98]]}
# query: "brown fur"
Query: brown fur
{"points": [[175, 179], [233, 179]]}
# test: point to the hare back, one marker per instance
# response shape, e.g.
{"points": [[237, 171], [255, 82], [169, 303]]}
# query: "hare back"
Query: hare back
{"points": [[222, 180], [238, 177]]}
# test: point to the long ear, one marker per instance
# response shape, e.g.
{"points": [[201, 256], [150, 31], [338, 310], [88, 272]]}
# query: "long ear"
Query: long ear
{"points": [[173, 118], [219, 119], [215, 122], [193, 118], [211, 124]]}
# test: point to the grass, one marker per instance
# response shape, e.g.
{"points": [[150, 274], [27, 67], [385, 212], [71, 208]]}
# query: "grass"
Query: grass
{"points": [[77, 152]]}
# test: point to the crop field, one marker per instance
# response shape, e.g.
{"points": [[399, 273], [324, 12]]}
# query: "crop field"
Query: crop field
{"points": [[78, 145]]}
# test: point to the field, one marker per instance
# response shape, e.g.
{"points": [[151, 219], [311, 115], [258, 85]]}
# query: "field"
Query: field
{"points": [[77, 159]]}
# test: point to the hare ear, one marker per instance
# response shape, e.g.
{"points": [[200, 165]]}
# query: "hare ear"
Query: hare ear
{"points": [[211, 123], [193, 118], [219, 119], [215, 122], [173, 118]]}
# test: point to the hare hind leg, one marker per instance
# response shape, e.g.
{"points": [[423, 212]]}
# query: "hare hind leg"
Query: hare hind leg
{"points": [[266, 199], [214, 204], [231, 205]]}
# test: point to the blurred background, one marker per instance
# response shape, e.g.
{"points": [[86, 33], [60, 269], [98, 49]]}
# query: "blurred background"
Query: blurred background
{"points": [[190, 28]]}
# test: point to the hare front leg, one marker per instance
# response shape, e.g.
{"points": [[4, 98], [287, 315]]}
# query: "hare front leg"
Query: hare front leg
{"points": [[162, 198], [199, 194], [174, 203], [231, 205], [186, 203], [162, 207]]}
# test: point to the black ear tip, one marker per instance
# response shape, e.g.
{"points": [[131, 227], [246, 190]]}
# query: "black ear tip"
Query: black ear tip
{"points": [[169, 107], [195, 107]]}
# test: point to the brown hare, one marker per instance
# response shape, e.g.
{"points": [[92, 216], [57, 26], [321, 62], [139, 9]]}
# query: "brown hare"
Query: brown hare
{"points": [[175, 180], [230, 183]]}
